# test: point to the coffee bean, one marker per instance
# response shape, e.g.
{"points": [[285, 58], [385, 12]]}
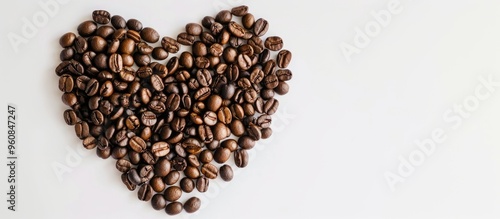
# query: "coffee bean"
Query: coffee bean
{"points": [[202, 184], [163, 167], [273, 43], [224, 17], [67, 54], [66, 83], [115, 63], [284, 74], [145, 192], [241, 158], [237, 111], [89, 142], [179, 163], [210, 118], [158, 202], [230, 54], [159, 53], [82, 130], [172, 193], [170, 44], [210, 171], [192, 172], [226, 172], [254, 132], [248, 21], [149, 35], [194, 29], [239, 10], [134, 24], [264, 121], [118, 152], [192, 160], [260, 27], [187, 184], [284, 58], [224, 115], [244, 61], [160, 149], [204, 77], [246, 142], [123, 165], [213, 145], [103, 153], [257, 44], [222, 154], [185, 39], [192, 204], [67, 39], [130, 186], [87, 28], [118, 22], [282, 88], [172, 177], [134, 177], [70, 117], [236, 29], [271, 106], [137, 144], [270, 81], [221, 131], [173, 208]]}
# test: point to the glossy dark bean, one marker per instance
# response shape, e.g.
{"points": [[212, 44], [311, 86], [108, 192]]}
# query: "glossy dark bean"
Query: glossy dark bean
{"points": [[187, 185], [241, 158], [192, 205], [202, 184], [145, 192], [226, 172]]}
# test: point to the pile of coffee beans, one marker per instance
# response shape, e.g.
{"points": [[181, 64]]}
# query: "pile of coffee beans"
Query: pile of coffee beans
{"points": [[172, 125]]}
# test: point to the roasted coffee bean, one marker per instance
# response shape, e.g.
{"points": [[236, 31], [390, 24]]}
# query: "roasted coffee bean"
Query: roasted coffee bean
{"points": [[101, 16], [134, 24], [210, 118], [237, 42], [229, 55], [248, 21], [146, 173], [284, 74], [133, 176], [163, 167], [69, 99], [237, 127], [239, 10], [246, 142], [123, 165], [256, 76], [192, 160], [282, 88], [202, 62], [80, 45], [145, 192], [270, 81], [89, 142], [160, 149], [173, 208], [194, 29], [103, 153], [158, 202], [241, 158], [264, 121], [227, 91], [210, 171], [70, 117], [137, 144], [220, 131], [284, 58], [222, 154], [144, 48], [150, 35], [216, 49], [244, 61], [172, 177], [118, 22], [67, 54], [87, 28], [205, 156], [66, 83], [202, 184], [67, 39], [254, 132], [172, 193], [237, 111], [260, 27], [250, 95], [204, 77], [130, 186], [267, 94], [271, 106], [224, 115], [273, 43], [257, 44], [192, 172], [236, 29], [226, 172], [119, 152], [105, 32], [115, 63], [97, 117], [192, 205], [185, 39], [170, 44], [230, 144], [159, 53], [187, 185], [82, 130], [134, 157], [179, 163]]}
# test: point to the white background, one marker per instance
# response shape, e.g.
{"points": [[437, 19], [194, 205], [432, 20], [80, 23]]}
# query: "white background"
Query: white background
{"points": [[343, 126]]}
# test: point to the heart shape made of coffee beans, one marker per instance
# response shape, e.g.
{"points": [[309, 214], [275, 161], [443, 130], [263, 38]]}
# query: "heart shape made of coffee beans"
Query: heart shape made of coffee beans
{"points": [[172, 126]]}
